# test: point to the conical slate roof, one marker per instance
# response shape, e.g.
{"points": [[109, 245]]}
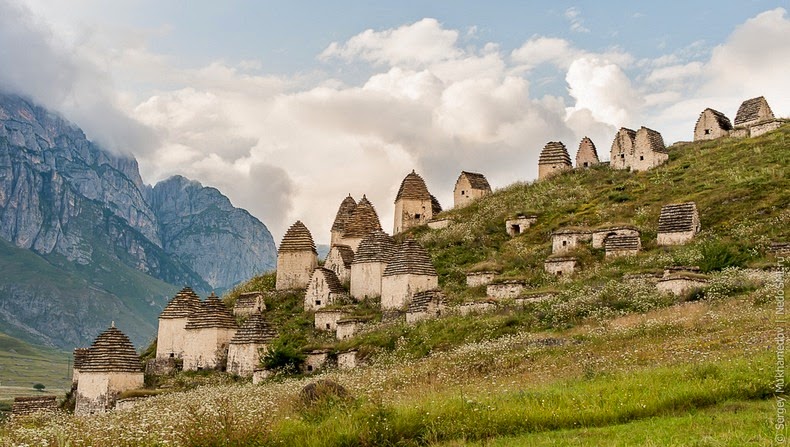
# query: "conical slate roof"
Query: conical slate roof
{"points": [[554, 152], [347, 207], [421, 300], [363, 220], [182, 305], [377, 246], [750, 110], [297, 238], [254, 330], [111, 352], [212, 313], [410, 259], [413, 187]]}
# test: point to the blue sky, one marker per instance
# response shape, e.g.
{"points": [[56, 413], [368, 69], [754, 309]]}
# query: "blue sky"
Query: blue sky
{"points": [[288, 106]]}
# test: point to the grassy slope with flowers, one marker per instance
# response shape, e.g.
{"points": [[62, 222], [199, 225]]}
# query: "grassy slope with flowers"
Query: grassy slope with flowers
{"points": [[606, 361]]}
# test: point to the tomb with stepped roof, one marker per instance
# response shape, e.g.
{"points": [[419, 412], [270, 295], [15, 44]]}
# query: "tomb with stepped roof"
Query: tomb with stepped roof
{"points": [[711, 124], [468, 187], [110, 367], [344, 213], [587, 155], [621, 245], [249, 303], [170, 339], [246, 346], [409, 272], [209, 331], [296, 258], [374, 253], [363, 220], [29, 405], [553, 159], [414, 205], [678, 223], [601, 233], [755, 118], [339, 261], [324, 289]]}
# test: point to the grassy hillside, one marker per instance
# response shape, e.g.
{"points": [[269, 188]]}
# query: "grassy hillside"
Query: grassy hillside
{"points": [[606, 361], [34, 291]]}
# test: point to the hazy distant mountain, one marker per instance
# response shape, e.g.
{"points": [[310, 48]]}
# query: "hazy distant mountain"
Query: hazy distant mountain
{"points": [[83, 211]]}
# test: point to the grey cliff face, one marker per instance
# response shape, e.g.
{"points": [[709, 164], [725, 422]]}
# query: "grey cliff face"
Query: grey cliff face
{"points": [[223, 244], [88, 212]]}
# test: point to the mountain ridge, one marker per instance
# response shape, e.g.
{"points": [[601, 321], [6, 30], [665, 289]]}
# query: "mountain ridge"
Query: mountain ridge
{"points": [[88, 212]]}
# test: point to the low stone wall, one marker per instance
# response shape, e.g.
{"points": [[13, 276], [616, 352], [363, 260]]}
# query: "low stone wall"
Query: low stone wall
{"points": [[162, 366], [761, 128], [680, 285], [259, 375], [505, 290], [476, 308], [439, 224], [533, 298], [475, 279], [24, 406]]}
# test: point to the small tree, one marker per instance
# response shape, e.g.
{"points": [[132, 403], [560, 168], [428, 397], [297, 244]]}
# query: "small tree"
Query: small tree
{"points": [[39, 387]]}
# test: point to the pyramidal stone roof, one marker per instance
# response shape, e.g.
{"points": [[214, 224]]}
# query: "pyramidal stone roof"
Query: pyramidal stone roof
{"points": [[554, 152], [248, 300], [346, 254], [621, 242], [256, 330], [478, 181], [182, 305], [111, 352], [410, 259], [721, 118], [363, 220], [654, 139], [212, 313], [677, 217], [587, 145], [297, 238], [750, 110], [331, 280], [413, 187], [377, 246], [347, 207]]}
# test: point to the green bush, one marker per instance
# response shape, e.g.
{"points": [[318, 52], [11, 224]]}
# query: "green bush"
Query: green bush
{"points": [[284, 355], [718, 255]]}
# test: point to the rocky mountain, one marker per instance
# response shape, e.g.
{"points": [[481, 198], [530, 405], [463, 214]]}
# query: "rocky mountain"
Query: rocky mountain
{"points": [[84, 210], [201, 227]]}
